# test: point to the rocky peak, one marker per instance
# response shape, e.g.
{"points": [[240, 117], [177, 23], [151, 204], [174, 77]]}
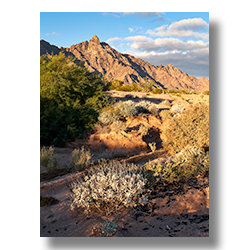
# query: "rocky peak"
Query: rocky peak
{"points": [[100, 57], [95, 39]]}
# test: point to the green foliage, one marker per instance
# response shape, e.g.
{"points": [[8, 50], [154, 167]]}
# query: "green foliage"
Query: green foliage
{"points": [[146, 85], [157, 91], [189, 162], [190, 127], [179, 92], [48, 159], [108, 228], [119, 85], [70, 98], [206, 92], [116, 84], [80, 159]]}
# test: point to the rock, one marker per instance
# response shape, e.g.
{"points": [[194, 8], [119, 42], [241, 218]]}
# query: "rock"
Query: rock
{"points": [[99, 56]]}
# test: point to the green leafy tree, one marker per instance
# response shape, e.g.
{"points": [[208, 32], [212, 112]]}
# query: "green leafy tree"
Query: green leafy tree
{"points": [[70, 98]]}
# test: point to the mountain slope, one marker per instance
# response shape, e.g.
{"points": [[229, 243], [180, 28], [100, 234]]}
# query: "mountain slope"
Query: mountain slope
{"points": [[100, 57]]}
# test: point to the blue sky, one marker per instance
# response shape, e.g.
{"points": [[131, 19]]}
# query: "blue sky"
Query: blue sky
{"points": [[178, 38]]}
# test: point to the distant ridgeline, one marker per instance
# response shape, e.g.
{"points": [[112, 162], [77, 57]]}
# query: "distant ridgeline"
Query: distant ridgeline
{"points": [[99, 57]]}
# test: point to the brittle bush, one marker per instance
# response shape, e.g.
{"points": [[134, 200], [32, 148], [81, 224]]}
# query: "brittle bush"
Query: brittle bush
{"points": [[190, 128], [189, 161]]}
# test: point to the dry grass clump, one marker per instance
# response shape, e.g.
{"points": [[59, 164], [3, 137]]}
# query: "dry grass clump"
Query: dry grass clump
{"points": [[188, 162], [152, 146], [143, 130], [177, 109], [191, 127], [109, 187], [80, 159], [165, 114], [48, 159], [117, 126], [166, 102]]}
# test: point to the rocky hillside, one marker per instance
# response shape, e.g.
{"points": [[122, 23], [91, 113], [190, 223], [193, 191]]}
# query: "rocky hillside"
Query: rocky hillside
{"points": [[100, 57]]}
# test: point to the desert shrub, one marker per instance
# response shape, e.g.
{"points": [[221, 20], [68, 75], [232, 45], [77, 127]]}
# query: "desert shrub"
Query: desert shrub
{"points": [[48, 159], [119, 85], [179, 92], [192, 127], [177, 109], [110, 154], [70, 99], [117, 126], [116, 84], [188, 162], [80, 159], [109, 187], [152, 146], [108, 116], [108, 228], [146, 85], [166, 102], [146, 107], [153, 110], [165, 114], [125, 109], [206, 92], [157, 91], [143, 130]]}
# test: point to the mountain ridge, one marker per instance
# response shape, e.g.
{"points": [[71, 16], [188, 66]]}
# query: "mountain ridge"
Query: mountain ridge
{"points": [[100, 57]]}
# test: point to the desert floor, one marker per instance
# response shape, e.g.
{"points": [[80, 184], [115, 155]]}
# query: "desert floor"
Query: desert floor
{"points": [[174, 210]]}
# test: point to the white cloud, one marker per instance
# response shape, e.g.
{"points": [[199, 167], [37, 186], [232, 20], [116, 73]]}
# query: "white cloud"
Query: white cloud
{"points": [[195, 63], [52, 33], [137, 29], [112, 40], [191, 56], [144, 43], [196, 28]]}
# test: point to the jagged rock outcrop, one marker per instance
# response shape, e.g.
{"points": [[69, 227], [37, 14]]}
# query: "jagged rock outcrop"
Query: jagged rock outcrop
{"points": [[100, 57]]}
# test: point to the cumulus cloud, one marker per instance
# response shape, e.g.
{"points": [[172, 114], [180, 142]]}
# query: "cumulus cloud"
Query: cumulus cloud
{"points": [[112, 40], [195, 63], [189, 55], [144, 43], [195, 27]]}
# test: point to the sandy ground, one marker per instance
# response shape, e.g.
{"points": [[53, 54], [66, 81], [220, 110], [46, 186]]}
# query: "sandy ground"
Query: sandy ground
{"points": [[177, 211], [174, 210]]}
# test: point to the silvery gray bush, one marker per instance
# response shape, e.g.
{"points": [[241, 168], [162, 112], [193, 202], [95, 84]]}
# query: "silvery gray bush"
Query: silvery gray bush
{"points": [[125, 109], [109, 187], [108, 117]]}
